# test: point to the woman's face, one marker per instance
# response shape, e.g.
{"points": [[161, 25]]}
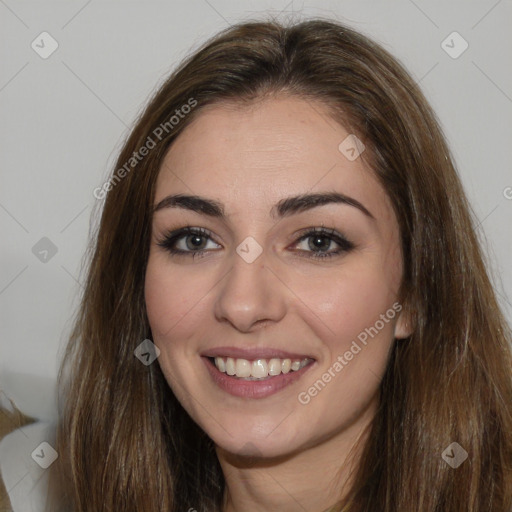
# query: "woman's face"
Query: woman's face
{"points": [[263, 294]]}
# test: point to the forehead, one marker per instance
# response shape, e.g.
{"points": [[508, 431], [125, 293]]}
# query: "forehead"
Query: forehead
{"points": [[259, 153]]}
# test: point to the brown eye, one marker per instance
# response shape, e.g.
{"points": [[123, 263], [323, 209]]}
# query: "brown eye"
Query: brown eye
{"points": [[192, 240], [320, 239]]}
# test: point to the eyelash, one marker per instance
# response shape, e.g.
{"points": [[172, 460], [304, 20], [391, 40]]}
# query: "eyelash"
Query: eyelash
{"points": [[172, 237]]}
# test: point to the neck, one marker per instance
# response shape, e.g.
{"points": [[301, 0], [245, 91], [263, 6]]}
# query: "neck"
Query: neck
{"points": [[312, 478]]}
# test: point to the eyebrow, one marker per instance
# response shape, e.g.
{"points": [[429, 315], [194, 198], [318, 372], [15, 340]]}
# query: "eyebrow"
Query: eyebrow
{"points": [[283, 208]]}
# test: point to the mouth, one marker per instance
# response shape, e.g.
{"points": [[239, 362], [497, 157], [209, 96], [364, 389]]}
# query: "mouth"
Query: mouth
{"points": [[258, 369], [256, 378]]}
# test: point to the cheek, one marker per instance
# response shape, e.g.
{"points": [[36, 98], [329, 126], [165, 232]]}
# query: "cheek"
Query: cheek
{"points": [[344, 304], [173, 301], [171, 297], [355, 325]]}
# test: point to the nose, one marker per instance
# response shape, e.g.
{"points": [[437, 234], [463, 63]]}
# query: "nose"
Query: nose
{"points": [[250, 294]]}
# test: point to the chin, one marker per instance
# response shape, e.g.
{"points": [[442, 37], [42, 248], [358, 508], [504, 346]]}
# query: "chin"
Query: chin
{"points": [[263, 445]]}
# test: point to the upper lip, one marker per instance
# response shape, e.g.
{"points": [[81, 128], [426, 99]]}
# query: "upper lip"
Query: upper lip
{"points": [[253, 353]]}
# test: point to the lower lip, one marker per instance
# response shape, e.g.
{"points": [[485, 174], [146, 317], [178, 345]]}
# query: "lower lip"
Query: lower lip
{"points": [[254, 388]]}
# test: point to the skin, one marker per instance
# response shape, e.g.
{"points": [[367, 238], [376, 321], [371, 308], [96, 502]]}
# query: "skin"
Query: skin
{"points": [[276, 453]]}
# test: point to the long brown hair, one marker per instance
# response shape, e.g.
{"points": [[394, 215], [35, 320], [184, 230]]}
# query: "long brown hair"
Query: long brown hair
{"points": [[126, 444]]}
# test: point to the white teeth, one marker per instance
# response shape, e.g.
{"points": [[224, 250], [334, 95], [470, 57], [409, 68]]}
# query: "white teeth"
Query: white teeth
{"points": [[259, 368], [243, 368], [220, 364], [230, 366], [274, 367]]}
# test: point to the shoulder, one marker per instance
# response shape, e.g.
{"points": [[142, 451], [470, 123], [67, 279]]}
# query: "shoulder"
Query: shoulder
{"points": [[25, 455]]}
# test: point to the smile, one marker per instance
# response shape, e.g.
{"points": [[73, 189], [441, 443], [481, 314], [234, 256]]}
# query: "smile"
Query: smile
{"points": [[258, 369], [257, 378]]}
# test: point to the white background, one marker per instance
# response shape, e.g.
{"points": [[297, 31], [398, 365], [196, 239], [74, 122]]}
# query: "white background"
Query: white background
{"points": [[65, 117]]}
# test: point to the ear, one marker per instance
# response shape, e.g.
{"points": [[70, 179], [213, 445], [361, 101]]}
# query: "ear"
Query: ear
{"points": [[405, 324]]}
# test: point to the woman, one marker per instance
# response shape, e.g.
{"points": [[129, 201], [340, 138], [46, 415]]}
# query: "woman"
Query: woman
{"points": [[287, 307]]}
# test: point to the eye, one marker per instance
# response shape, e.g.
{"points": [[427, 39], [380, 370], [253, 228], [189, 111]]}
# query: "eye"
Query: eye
{"points": [[322, 238], [187, 241], [193, 242]]}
